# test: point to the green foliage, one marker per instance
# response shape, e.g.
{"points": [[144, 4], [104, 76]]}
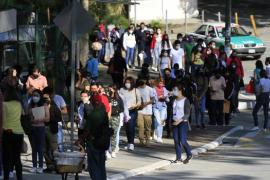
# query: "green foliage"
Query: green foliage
{"points": [[156, 24], [117, 20]]}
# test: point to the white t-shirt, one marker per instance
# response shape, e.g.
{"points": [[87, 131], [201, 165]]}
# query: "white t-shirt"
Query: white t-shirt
{"points": [[177, 57], [146, 93]]}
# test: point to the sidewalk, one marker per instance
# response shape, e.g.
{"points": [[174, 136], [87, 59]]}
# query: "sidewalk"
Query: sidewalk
{"points": [[142, 157]]}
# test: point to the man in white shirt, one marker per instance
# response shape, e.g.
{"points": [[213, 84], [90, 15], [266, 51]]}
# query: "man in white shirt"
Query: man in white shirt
{"points": [[178, 55], [145, 112]]}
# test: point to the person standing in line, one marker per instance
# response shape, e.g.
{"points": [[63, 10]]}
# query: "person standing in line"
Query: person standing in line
{"points": [[165, 62], [267, 66], [217, 85], [1, 129], [200, 97], [156, 48], [181, 113], [160, 109], [12, 133], [92, 66], [188, 46], [37, 138], [132, 97], [145, 112], [36, 81], [129, 44], [178, 55], [257, 76], [117, 105], [166, 44], [262, 100], [141, 42]]}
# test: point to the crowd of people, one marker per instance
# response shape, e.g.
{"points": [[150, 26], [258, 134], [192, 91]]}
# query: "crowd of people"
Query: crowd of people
{"points": [[177, 79]]}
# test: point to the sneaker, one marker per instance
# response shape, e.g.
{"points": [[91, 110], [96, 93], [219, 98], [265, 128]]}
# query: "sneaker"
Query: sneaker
{"points": [[11, 174], [113, 155], [108, 155], [265, 129], [186, 161], [177, 161], [256, 128], [33, 170], [39, 170], [127, 147], [159, 140], [116, 150], [131, 147], [127, 67]]}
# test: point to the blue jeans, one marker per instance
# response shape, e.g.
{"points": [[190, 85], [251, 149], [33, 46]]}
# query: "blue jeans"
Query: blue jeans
{"points": [[199, 110], [130, 55], [96, 163], [130, 126], [261, 100], [180, 139], [37, 140], [160, 115]]}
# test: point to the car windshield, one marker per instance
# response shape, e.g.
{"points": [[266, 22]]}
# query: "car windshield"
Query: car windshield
{"points": [[235, 31]]}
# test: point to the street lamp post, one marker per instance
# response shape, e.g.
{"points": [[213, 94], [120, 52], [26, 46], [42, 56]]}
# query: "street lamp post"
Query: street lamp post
{"points": [[228, 26]]}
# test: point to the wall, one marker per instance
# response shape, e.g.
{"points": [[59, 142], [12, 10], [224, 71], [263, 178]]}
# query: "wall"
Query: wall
{"points": [[149, 10]]}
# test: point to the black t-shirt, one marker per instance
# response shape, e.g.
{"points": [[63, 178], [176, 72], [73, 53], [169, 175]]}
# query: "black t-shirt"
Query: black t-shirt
{"points": [[117, 106]]}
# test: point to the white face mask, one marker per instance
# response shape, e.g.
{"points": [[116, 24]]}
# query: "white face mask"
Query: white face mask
{"points": [[175, 92], [36, 99], [85, 99], [128, 85]]}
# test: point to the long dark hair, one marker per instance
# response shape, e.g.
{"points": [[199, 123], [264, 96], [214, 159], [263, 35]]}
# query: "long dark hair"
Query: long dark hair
{"points": [[165, 41], [259, 64], [132, 82], [116, 94], [11, 94]]}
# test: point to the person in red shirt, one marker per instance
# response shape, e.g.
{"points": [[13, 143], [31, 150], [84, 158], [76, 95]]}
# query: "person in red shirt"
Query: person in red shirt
{"points": [[97, 96], [234, 62]]}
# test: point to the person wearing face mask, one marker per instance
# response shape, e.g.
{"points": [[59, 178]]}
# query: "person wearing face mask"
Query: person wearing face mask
{"points": [[165, 62], [178, 55], [117, 108], [36, 81], [239, 75], [160, 109], [51, 131], [214, 49], [180, 116], [210, 61], [166, 43], [188, 47], [196, 59], [132, 99], [129, 44], [145, 112], [156, 48], [37, 137], [217, 85], [84, 109]]}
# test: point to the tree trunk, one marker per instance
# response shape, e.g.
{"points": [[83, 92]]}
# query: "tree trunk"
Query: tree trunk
{"points": [[84, 41]]}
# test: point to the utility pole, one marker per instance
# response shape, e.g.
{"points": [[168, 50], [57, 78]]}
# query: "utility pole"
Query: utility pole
{"points": [[228, 26], [185, 15], [135, 13]]}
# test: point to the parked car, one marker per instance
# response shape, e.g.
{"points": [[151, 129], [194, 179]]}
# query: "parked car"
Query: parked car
{"points": [[242, 42]]}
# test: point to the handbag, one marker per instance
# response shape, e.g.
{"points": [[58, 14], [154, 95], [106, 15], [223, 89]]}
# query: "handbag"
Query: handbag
{"points": [[250, 87]]}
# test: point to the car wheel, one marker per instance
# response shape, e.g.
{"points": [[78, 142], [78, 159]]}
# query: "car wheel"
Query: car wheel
{"points": [[257, 57]]}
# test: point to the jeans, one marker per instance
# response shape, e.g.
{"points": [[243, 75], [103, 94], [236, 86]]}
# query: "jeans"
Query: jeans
{"points": [[101, 53], [199, 110], [261, 100], [130, 55], [11, 153], [144, 126], [60, 138], [37, 140], [130, 126], [96, 163], [160, 115], [180, 139], [216, 112]]}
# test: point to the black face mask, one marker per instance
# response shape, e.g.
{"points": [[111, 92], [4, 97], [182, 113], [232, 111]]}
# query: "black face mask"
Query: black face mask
{"points": [[35, 76], [217, 76]]}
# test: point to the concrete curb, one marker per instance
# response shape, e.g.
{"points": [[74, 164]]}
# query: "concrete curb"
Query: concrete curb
{"points": [[212, 145]]}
